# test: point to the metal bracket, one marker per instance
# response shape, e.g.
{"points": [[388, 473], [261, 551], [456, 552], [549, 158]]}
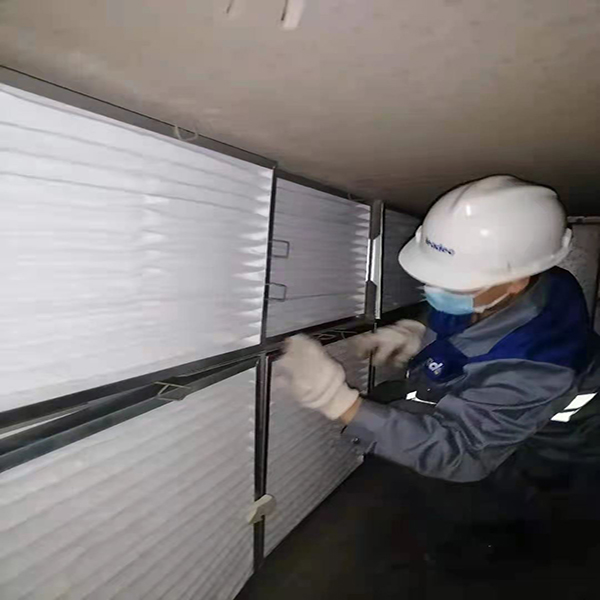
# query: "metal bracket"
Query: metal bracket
{"points": [[374, 277], [281, 286], [177, 132], [178, 393], [286, 252]]}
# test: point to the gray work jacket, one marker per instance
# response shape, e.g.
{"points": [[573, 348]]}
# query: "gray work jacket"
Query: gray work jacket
{"points": [[476, 393]]}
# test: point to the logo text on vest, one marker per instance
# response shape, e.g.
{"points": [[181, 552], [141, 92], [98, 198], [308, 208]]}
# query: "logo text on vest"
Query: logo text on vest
{"points": [[434, 366]]}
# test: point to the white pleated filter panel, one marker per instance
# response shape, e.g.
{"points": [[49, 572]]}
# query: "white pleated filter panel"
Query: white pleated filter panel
{"points": [[307, 458], [124, 251], [154, 507], [319, 260], [582, 260], [398, 287]]}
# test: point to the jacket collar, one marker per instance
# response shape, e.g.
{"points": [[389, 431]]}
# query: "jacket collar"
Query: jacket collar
{"points": [[481, 337]]}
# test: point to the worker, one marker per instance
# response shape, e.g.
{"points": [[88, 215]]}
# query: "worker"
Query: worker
{"points": [[503, 371]]}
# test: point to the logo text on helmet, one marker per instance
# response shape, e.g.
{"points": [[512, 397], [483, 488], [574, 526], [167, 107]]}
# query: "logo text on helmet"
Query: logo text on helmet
{"points": [[439, 247]]}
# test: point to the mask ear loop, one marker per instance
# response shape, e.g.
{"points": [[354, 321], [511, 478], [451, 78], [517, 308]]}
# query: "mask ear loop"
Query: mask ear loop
{"points": [[480, 309]]}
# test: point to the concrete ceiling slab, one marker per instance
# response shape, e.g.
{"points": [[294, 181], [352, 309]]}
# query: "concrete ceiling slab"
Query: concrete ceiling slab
{"points": [[393, 99]]}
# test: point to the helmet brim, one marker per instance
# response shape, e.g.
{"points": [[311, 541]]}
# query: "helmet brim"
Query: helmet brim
{"points": [[418, 265]]}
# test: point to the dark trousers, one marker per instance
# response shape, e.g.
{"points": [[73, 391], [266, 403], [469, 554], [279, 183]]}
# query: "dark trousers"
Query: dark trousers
{"points": [[528, 505], [529, 498]]}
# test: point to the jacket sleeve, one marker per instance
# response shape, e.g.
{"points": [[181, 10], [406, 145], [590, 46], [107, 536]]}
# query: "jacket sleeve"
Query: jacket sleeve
{"points": [[470, 433]]}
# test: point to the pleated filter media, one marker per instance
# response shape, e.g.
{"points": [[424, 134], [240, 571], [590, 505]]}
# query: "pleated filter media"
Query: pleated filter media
{"points": [[398, 287], [152, 508], [124, 251], [319, 260], [127, 252], [307, 458]]}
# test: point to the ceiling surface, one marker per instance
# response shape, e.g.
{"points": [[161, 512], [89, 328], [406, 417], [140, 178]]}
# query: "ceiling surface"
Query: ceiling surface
{"points": [[396, 99]]}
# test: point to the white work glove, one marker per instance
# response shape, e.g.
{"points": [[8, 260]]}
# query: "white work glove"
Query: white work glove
{"points": [[315, 379], [395, 344]]}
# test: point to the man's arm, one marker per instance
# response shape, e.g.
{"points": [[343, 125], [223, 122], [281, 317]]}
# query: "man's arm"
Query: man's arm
{"points": [[469, 435]]}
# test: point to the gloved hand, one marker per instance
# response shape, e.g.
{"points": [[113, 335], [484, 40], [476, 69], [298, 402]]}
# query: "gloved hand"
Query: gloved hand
{"points": [[315, 379], [395, 344]]}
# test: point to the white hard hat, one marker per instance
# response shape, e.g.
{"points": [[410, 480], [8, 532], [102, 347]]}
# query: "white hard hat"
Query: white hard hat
{"points": [[488, 232]]}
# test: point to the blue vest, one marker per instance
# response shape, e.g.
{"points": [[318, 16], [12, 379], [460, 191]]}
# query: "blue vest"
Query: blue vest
{"points": [[560, 334]]}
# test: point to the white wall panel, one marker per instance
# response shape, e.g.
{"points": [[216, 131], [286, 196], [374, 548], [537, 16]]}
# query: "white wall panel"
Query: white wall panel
{"points": [[398, 287], [151, 508], [319, 263], [123, 251], [307, 458], [582, 261]]}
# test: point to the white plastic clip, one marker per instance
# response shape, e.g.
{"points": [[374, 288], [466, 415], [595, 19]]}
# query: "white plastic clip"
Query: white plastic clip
{"points": [[263, 507], [193, 137], [292, 13], [234, 8]]}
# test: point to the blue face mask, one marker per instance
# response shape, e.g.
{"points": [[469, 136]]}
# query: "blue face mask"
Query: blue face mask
{"points": [[449, 302], [453, 303]]}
